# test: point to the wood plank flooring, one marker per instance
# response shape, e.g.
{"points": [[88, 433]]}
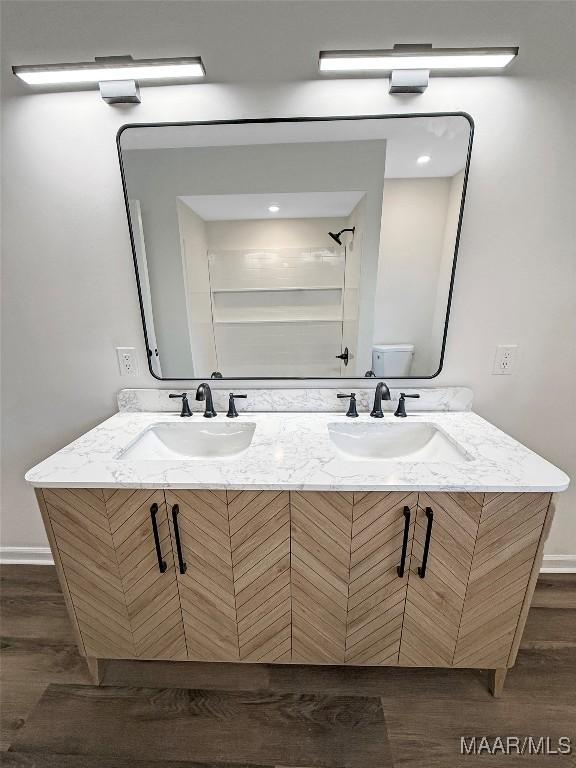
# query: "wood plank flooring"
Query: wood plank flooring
{"points": [[555, 590], [264, 728], [424, 711], [30, 760]]}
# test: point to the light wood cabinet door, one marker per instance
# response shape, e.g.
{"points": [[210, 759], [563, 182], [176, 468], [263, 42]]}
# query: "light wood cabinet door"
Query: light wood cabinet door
{"points": [[141, 538], [321, 531], [78, 525], [442, 552], [505, 562], [348, 586], [199, 522], [260, 545], [381, 544]]}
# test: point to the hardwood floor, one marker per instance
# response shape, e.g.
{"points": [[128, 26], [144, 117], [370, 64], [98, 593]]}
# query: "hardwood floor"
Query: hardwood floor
{"points": [[258, 715], [20, 760], [555, 591], [258, 728]]}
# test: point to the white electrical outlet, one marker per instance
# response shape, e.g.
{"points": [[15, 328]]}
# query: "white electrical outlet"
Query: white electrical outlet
{"points": [[127, 361], [505, 359]]}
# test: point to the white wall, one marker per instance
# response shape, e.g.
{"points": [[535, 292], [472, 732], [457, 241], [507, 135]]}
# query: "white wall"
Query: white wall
{"points": [[273, 233], [413, 225], [358, 338], [195, 279], [362, 257], [69, 293]]}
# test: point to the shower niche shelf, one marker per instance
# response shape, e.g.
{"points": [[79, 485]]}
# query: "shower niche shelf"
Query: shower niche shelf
{"points": [[278, 305], [270, 288], [280, 320]]}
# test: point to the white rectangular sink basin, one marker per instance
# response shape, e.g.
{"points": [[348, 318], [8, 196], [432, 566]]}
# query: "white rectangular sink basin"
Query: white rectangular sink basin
{"points": [[396, 441], [190, 440]]}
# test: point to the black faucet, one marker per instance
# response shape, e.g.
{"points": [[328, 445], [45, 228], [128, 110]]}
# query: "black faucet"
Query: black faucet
{"points": [[205, 393], [401, 410], [185, 405], [232, 412], [382, 393], [352, 412]]}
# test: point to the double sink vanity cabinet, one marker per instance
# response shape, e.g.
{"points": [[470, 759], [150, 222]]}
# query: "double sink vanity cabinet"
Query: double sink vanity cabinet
{"points": [[317, 526], [285, 537], [433, 579]]}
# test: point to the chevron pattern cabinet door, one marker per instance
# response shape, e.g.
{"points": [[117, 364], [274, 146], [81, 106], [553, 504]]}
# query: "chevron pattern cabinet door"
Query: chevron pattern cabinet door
{"points": [[508, 538], [377, 595], [260, 538], [86, 549], [321, 532], [434, 604], [151, 597], [207, 586]]}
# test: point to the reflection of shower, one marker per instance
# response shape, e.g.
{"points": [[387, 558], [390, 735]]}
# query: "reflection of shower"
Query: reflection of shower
{"points": [[336, 236]]}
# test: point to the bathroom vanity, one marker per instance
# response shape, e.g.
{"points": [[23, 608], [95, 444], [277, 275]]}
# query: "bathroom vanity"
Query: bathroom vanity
{"points": [[303, 538], [294, 534]]}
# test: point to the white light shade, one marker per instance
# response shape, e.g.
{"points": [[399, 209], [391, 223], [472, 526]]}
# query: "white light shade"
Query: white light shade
{"points": [[98, 72], [274, 208], [423, 159], [439, 59]]}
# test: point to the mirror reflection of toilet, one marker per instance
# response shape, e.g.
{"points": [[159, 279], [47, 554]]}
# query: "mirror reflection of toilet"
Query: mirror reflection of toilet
{"points": [[392, 359]]}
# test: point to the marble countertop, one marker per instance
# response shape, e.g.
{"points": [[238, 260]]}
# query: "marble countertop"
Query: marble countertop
{"points": [[293, 451]]}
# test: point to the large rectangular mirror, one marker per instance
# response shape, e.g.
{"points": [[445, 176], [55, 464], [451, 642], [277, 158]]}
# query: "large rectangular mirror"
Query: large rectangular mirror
{"points": [[309, 248]]}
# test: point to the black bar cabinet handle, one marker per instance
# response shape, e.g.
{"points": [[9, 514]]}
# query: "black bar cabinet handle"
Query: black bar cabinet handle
{"points": [[181, 564], [161, 563], [402, 565], [422, 568]]}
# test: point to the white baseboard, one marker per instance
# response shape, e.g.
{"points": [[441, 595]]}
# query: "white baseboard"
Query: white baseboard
{"points": [[43, 556], [559, 564], [26, 556]]}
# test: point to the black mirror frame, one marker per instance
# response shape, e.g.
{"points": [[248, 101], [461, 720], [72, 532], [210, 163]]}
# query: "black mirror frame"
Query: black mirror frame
{"points": [[336, 380]]}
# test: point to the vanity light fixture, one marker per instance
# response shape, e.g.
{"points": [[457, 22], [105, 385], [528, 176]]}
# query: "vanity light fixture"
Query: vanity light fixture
{"points": [[410, 65], [117, 76], [274, 208], [423, 159]]}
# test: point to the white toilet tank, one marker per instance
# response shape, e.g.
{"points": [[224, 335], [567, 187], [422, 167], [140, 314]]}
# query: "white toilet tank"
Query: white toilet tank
{"points": [[392, 359]]}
